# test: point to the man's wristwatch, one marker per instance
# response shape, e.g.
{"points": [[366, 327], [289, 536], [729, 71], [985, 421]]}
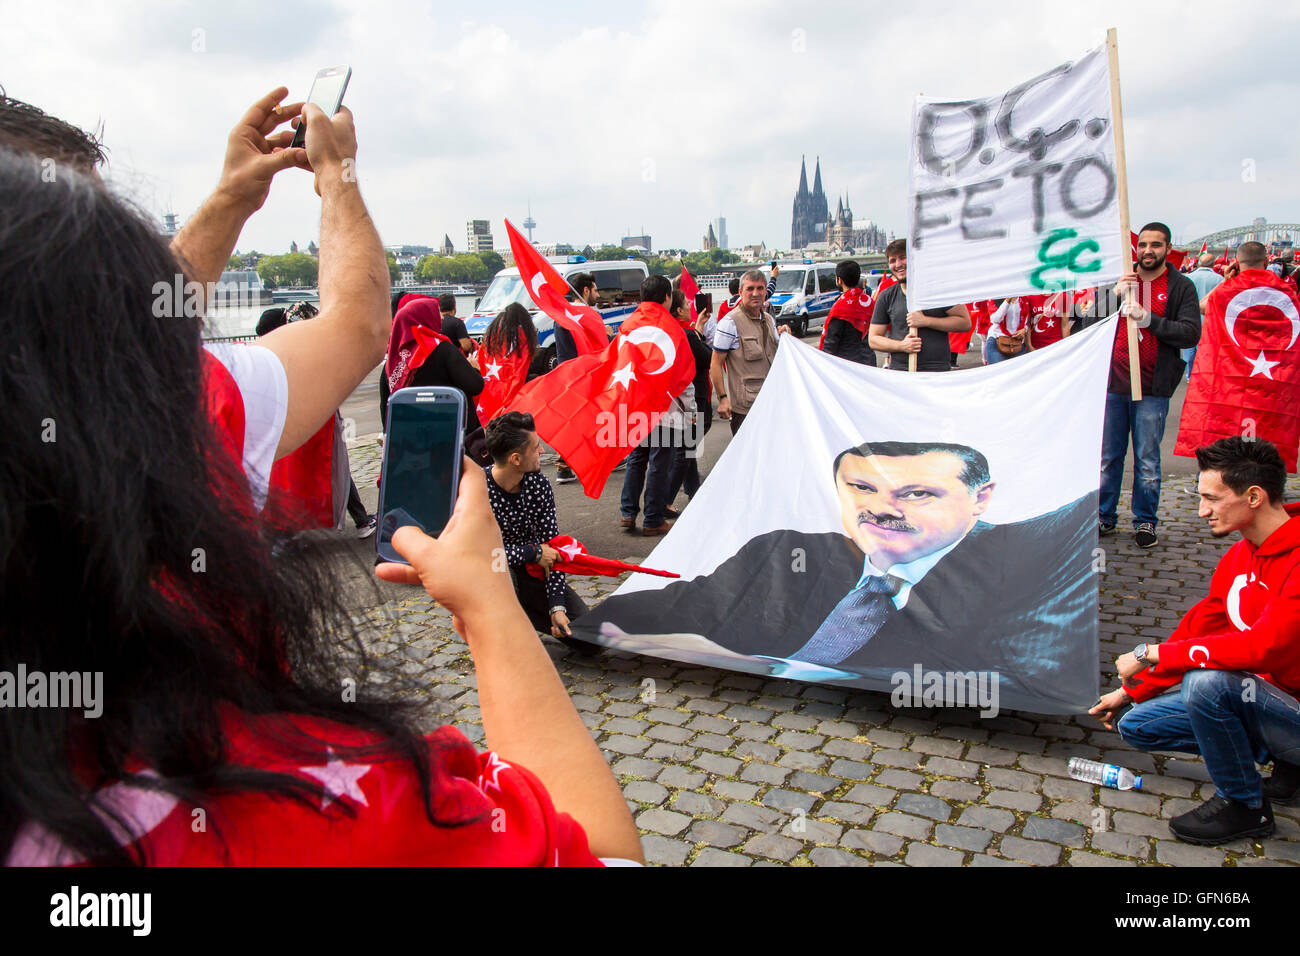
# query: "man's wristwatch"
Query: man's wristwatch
{"points": [[721, 395], [1140, 652]]}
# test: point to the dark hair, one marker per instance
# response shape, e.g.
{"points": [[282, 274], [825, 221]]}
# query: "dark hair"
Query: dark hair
{"points": [[447, 303], [502, 335], [582, 281], [25, 128], [271, 320], [656, 289], [733, 285], [254, 636], [975, 473], [1243, 463], [507, 434], [397, 300], [896, 247], [1252, 255], [678, 301], [849, 272], [1158, 227]]}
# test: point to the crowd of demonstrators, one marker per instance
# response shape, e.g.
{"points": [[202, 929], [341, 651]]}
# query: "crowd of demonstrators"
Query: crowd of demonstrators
{"points": [[220, 689], [685, 474], [650, 464], [453, 327], [420, 356], [902, 332], [1205, 279], [1224, 685], [305, 471], [744, 347], [1008, 333], [1164, 305], [524, 506]]}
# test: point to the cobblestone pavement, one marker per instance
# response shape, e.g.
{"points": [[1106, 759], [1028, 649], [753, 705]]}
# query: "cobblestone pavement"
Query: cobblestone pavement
{"points": [[727, 769]]}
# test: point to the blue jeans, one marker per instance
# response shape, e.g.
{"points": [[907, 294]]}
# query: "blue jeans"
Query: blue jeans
{"points": [[649, 466], [1211, 715], [1189, 356], [1145, 421], [991, 353]]}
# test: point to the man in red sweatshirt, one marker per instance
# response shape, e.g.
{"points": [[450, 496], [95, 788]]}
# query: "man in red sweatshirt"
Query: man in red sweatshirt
{"points": [[1225, 683]]}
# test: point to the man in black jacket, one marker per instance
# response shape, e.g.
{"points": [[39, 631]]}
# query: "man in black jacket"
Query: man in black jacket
{"points": [[850, 317], [1167, 310]]}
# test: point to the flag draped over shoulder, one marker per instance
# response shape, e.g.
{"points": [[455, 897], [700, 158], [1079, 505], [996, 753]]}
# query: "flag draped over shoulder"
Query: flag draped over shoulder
{"points": [[1246, 379], [832, 572], [548, 289], [503, 376], [596, 408], [855, 307]]}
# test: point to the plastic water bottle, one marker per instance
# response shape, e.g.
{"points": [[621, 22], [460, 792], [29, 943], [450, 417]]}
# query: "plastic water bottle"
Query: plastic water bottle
{"points": [[1106, 774]]}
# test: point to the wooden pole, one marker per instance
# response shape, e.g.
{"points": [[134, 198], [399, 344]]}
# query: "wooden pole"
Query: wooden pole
{"points": [[1121, 180]]}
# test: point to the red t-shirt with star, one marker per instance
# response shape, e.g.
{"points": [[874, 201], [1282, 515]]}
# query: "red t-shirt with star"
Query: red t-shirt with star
{"points": [[1152, 296], [370, 813], [1045, 317]]}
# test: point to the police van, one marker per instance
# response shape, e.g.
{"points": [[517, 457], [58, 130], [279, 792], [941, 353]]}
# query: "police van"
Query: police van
{"points": [[804, 294], [618, 290]]}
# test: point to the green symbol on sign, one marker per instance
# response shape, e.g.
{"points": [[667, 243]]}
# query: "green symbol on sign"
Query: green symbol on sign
{"points": [[1068, 260]]}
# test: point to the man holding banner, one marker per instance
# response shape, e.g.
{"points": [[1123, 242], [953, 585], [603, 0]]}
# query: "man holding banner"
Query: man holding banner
{"points": [[1164, 304], [901, 332]]}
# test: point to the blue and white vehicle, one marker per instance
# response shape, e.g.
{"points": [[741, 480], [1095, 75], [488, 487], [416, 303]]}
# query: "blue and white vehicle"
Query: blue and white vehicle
{"points": [[804, 294], [618, 290]]}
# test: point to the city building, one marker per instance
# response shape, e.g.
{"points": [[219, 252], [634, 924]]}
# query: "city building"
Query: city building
{"points": [[313, 249], [447, 249], [720, 231], [478, 232], [752, 252], [811, 212], [636, 243], [710, 239]]}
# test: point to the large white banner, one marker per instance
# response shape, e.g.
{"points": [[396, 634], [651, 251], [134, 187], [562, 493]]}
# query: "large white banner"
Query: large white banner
{"points": [[868, 523], [1015, 194]]}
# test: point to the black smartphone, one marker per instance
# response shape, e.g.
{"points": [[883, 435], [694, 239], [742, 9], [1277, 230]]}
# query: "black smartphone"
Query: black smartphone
{"points": [[704, 302], [421, 466], [326, 92]]}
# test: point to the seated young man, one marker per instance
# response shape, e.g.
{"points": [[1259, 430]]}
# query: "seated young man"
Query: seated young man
{"points": [[524, 505], [1225, 684]]}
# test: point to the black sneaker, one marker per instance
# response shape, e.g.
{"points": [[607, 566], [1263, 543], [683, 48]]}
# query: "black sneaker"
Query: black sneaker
{"points": [[564, 476], [367, 527], [1220, 820], [1104, 529], [1284, 786], [1144, 536]]}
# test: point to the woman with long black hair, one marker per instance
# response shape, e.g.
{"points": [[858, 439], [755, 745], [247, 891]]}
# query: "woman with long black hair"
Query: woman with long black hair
{"points": [[132, 552]]}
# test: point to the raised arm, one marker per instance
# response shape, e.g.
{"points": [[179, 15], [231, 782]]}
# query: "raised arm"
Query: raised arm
{"points": [[328, 357]]}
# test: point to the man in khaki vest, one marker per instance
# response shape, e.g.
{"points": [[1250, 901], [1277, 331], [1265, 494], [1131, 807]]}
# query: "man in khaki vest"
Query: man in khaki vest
{"points": [[743, 348]]}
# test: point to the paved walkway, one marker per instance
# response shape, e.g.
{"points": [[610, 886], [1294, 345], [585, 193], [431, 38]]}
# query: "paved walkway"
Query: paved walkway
{"points": [[727, 769]]}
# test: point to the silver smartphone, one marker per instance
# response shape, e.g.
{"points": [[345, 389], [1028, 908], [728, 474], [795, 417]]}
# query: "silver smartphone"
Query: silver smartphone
{"points": [[421, 466], [326, 92]]}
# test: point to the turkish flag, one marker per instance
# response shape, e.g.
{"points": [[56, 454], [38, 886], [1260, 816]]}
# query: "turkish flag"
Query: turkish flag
{"points": [[885, 283], [576, 560], [301, 485], [1174, 257], [690, 290], [596, 408], [503, 377], [855, 307], [1246, 380], [1045, 315], [548, 289]]}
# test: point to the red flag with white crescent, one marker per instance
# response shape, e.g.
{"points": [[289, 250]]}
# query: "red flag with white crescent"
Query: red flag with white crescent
{"points": [[596, 408], [1246, 380], [690, 290], [503, 376], [548, 289], [577, 560]]}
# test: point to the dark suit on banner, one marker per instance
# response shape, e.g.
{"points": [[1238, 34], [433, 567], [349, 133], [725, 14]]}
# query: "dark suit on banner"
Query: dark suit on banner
{"points": [[1018, 599]]}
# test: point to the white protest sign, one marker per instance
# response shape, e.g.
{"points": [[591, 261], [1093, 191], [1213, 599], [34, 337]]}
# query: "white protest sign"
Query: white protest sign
{"points": [[1015, 194]]}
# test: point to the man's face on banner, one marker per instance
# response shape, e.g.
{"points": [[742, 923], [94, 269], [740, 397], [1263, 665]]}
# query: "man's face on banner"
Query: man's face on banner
{"points": [[903, 508]]}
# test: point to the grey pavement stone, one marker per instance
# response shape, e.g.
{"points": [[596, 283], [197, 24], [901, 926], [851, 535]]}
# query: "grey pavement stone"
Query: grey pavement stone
{"points": [[753, 732], [852, 769], [849, 812], [1015, 800], [1090, 815], [795, 740], [1055, 788], [713, 725], [788, 800], [1122, 843], [851, 749], [994, 756], [827, 856], [1139, 825], [669, 733], [900, 779], [937, 746], [1184, 854], [813, 782], [875, 796], [794, 722], [711, 857], [987, 818], [947, 767], [636, 767], [681, 777], [965, 838], [715, 833], [984, 859], [663, 851], [713, 763], [759, 751], [1082, 858], [884, 844], [734, 789], [838, 728], [644, 792], [922, 854], [812, 831], [697, 804], [1030, 851], [764, 773], [1054, 831], [802, 760], [897, 758], [1012, 780], [774, 847], [956, 790], [889, 739], [713, 742], [904, 825], [924, 805], [748, 815], [663, 821]]}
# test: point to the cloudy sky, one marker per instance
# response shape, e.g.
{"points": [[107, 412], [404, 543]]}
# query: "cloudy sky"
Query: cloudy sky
{"points": [[657, 115]]}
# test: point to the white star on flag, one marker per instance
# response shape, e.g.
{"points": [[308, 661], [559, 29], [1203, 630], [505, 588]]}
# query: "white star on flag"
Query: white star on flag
{"points": [[493, 371], [1049, 324], [490, 775], [572, 550], [1261, 366], [479, 408], [340, 780], [623, 376]]}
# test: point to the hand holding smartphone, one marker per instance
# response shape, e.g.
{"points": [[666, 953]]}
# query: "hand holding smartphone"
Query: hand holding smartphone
{"points": [[326, 92], [421, 465]]}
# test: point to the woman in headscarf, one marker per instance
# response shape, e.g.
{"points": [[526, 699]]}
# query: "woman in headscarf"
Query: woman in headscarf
{"points": [[420, 355]]}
